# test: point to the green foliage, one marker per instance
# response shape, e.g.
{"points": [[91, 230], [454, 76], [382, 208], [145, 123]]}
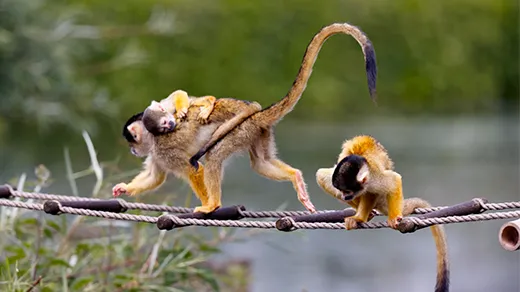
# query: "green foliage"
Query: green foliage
{"points": [[100, 255], [73, 65]]}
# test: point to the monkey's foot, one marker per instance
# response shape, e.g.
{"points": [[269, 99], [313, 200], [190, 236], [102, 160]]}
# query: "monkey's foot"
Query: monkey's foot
{"points": [[303, 196], [205, 209], [393, 223], [204, 115], [352, 223], [119, 189]]}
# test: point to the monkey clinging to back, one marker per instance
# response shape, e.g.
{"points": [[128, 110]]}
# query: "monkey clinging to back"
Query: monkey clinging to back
{"points": [[364, 177]]}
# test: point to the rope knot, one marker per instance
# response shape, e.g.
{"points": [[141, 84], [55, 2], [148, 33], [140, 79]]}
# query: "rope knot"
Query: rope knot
{"points": [[285, 224], [52, 207], [482, 203], [168, 222]]}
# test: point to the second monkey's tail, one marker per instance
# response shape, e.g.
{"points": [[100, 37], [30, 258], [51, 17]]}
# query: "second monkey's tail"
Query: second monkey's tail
{"points": [[439, 237]]}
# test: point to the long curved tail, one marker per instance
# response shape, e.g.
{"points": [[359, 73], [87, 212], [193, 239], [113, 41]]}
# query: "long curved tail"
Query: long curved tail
{"points": [[439, 237], [274, 113]]}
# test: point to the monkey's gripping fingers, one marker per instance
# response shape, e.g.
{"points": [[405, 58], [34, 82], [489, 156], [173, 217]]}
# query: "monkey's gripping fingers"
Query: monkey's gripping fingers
{"points": [[303, 196], [352, 222], [204, 114], [205, 209], [181, 113], [306, 202], [119, 189], [393, 222]]}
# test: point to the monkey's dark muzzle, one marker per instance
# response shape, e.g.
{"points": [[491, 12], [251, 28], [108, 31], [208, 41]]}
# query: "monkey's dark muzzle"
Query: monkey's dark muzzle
{"points": [[171, 127], [348, 197]]}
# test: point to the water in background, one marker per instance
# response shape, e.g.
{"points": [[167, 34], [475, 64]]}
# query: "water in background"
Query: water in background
{"points": [[443, 161]]}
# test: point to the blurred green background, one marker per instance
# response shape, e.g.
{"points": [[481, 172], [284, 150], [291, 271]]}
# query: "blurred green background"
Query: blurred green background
{"points": [[448, 89]]}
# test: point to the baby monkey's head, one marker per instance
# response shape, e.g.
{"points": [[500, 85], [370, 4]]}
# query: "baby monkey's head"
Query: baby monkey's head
{"points": [[157, 120], [351, 176]]}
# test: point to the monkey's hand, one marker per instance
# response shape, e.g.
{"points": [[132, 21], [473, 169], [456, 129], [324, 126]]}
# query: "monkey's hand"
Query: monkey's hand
{"points": [[394, 222], [181, 113], [306, 202], [204, 114], [119, 189]]}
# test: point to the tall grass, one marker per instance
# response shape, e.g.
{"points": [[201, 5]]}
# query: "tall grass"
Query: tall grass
{"points": [[41, 252]]}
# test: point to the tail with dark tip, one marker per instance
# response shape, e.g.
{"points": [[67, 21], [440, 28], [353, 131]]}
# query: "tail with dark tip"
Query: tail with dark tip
{"points": [[274, 113], [439, 237]]}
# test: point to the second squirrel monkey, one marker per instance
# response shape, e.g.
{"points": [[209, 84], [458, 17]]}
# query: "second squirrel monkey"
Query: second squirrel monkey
{"points": [[364, 177]]}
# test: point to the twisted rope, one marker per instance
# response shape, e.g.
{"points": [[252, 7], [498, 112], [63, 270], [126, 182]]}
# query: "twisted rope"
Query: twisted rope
{"points": [[245, 214], [261, 224]]}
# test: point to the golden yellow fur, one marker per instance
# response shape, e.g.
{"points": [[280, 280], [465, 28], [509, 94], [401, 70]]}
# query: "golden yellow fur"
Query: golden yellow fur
{"points": [[384, 192]]}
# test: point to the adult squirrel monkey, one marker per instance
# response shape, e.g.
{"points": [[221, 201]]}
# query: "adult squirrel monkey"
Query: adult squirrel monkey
{"points": [[197, 125], [364, 177], [256, 133]]}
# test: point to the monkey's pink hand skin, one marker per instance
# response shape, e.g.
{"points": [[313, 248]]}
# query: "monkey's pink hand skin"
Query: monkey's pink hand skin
{"points": [[119, 189], [303, 196]]}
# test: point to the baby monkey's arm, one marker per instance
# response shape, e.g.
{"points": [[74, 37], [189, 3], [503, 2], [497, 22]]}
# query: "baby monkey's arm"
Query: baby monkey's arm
{"points": [[178, 103]]}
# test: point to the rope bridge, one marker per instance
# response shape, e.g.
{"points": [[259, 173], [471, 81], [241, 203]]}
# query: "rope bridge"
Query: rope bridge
{"points": [[231, 216]]}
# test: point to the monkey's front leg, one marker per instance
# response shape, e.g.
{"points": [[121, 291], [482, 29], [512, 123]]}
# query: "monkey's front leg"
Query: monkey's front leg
{"points": [[395, 200], [181, 102], [150, 178], [367, 203]]}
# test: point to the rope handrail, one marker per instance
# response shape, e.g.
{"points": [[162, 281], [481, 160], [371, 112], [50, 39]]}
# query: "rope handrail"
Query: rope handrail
{"points": [[7, 191], [470, 211], [409, 224], [178, 222]]}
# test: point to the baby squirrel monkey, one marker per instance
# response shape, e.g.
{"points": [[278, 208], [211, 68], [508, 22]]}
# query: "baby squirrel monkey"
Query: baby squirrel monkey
{"points": [[364, 177], [177, 103], [256, 133], [182, 140]]}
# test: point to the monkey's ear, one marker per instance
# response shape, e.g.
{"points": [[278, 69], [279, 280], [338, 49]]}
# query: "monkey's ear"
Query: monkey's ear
{"points": [[156, 106], [363, 173], [131, 129]]}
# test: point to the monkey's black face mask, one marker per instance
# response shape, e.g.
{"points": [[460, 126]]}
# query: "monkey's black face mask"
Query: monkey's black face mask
{"points": [[349, 177]]}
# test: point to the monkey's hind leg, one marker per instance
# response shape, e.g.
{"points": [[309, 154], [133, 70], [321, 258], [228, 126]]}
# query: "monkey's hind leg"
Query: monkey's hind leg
{"points": [[196, 180], [395, 199], [212, 181], [264, 161]]}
